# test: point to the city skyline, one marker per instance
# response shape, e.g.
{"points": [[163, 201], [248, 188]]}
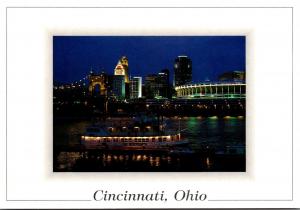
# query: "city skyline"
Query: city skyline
{"points": [[75, 56]]}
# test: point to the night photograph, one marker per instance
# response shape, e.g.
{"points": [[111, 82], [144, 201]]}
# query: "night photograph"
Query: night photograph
{"points": [[149, 103]]}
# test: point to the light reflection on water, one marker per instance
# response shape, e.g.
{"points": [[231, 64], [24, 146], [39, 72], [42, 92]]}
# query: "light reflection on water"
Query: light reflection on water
{"points": [[67, 160], [217, 133]]}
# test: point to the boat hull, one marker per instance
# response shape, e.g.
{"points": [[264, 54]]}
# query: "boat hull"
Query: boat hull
{"points": [[136, 143]]}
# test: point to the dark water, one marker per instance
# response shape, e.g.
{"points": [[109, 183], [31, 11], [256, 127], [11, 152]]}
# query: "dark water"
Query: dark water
{"points": [[216, 144]]}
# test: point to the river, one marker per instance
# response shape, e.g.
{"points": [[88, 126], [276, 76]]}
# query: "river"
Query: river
{"points": [[216, 144]]}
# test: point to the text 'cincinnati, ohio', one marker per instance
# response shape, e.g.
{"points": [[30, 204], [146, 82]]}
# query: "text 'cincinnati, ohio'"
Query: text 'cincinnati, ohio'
{"points": [[179, 195]]}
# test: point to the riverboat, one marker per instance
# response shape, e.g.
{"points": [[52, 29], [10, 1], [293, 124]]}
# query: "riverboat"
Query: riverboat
{"points": [[135, 136]]}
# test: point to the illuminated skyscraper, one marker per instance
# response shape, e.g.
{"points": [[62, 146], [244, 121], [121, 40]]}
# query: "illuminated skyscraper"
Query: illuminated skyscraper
{"points": [[163, 83], [150, 86], [136, 87], [122, 68], [182, 70], [116, 86], [157, 85]]}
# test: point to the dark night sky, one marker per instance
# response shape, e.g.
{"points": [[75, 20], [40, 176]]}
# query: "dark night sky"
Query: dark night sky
{"points": [[74, 56]]}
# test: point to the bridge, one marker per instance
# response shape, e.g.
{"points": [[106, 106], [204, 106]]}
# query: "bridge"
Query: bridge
{"points": [[92, 81]]}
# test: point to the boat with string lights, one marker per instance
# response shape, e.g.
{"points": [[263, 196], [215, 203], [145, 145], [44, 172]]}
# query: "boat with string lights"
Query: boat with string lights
{"points": [[140, 135]]}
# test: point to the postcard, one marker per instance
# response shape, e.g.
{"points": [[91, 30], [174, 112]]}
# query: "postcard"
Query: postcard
{"points": [[124, 106]]}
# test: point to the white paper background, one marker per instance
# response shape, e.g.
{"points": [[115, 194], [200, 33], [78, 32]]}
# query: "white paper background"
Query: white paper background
{"points": [[269, 102]]}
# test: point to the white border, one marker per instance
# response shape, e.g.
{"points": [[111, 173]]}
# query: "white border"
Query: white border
{"points": [[255, 108]]}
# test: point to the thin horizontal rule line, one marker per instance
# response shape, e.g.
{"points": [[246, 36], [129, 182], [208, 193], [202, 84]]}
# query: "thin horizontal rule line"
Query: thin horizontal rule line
{"points": [[283, 7], [48, 200], [253, 200]]}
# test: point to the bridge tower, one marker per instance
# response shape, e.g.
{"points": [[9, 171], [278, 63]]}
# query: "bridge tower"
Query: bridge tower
{"points": [[97, 81]]}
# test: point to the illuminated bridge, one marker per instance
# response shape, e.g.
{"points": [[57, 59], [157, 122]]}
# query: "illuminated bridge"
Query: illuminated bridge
{"points": [[212, 90]]}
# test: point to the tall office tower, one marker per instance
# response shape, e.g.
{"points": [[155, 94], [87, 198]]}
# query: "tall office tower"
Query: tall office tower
{"points": [[135, 87], [117, 86], [163, 83], [150, 86], [122, 68], [182, 70], [158, 85]]}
